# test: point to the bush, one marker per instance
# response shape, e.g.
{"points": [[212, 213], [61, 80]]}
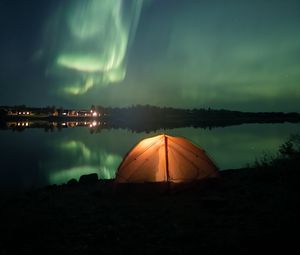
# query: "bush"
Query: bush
{"points": [[291, 148], [288, 155]]}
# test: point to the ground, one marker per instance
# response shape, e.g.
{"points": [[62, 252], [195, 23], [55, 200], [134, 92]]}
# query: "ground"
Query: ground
{"points": [[245, 212]]}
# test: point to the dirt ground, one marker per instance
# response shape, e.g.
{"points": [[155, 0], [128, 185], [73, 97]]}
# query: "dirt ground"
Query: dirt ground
{"points": [[245, 212]]}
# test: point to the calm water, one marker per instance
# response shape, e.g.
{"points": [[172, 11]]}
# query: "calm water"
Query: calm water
{"points": [[35, 158]]}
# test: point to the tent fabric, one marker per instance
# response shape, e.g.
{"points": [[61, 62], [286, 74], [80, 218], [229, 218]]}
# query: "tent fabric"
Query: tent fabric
{"points": [[165, 158]]}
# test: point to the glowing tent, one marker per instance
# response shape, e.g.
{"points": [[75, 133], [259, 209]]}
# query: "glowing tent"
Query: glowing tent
{"points": [[165, 158]]}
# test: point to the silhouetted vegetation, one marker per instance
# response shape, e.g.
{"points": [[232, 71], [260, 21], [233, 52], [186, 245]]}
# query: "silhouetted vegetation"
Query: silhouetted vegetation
{"points": [[147, 113], [152, 118], [288, 155]]}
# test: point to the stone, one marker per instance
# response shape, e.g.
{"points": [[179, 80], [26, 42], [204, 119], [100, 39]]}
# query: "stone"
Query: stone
{"points": [[88, 178]]}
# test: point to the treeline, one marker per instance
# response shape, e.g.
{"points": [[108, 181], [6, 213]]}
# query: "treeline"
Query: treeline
{"points": [[148, 113], [155, 112]]}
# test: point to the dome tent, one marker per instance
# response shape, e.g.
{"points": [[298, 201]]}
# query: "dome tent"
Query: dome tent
{"points": [[165, 158]]}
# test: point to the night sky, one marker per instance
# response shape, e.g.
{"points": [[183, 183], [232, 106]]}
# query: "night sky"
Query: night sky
{"points": [[234, 54]]}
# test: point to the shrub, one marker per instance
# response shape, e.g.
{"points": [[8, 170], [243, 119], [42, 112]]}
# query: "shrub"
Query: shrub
{"points": [[288, 155]]}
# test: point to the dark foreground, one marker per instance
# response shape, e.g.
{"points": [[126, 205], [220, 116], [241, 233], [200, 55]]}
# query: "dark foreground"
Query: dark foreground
{"points": [[249, 211]]}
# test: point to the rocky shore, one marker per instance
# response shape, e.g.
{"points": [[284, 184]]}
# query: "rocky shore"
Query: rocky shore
{"points": [[246, 211]]}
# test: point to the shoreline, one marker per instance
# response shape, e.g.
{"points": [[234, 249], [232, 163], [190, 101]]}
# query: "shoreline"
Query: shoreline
{"points": [[245, 211]]}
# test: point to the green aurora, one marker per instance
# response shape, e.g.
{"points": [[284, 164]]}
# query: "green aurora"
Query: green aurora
{"points": [[93, 42], [242, 55]]}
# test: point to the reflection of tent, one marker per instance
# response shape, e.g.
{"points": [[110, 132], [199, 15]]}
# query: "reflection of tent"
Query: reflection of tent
{"points": [[165, 158]]}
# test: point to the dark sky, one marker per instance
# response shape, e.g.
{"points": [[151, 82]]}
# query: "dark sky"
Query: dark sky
{"points": [[233, 54]]}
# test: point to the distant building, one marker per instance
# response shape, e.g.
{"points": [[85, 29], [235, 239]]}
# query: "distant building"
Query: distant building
{"points": [[72, 113], [19, 113], [12, 113], [84, 113]]}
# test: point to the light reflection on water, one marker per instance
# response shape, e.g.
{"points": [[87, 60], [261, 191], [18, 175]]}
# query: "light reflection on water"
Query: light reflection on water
{"points": [[36, 158]]}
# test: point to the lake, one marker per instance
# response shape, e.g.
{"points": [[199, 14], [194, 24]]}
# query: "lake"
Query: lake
{"points": [[35, 158]]}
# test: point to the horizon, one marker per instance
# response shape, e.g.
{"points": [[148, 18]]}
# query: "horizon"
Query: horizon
{"points": [[143, 105]]}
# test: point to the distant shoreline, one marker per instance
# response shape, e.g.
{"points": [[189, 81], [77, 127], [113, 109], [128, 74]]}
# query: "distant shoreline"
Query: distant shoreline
{"points": [[141, 118]]}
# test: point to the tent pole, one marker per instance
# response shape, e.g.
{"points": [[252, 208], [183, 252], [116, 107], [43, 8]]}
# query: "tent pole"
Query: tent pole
{"points": [[167, 158]]}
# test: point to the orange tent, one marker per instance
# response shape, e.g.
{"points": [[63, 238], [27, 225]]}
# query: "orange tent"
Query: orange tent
{"points": [[165, 158]]}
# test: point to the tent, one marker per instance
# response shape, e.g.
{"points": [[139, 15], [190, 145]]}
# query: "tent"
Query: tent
{"points": [[165, 158]]}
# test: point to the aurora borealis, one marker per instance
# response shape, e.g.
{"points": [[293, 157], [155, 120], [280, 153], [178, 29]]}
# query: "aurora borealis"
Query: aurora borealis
{"points": [[242, 55], [94, 41]]}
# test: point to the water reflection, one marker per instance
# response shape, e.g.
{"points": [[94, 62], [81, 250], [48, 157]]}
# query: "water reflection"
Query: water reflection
{"points": [[48, 125], [36, 158], [74, 158]]}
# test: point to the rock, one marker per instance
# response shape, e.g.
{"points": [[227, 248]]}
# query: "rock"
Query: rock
{"points": [[88, 178], [72, 182]]}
